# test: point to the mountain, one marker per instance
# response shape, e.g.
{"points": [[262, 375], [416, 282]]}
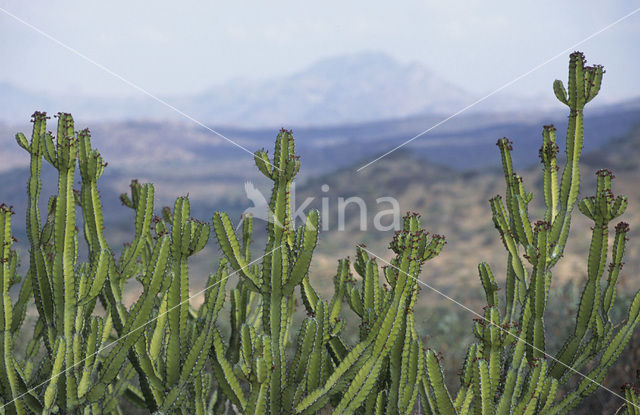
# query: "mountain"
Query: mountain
{"points": [[455, 204], [355, 88], [346, 89]]}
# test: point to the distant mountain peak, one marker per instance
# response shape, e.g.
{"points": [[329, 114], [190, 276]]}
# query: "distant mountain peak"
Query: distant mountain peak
{"points": [[354, 88], [346, 89], [352, 61]]}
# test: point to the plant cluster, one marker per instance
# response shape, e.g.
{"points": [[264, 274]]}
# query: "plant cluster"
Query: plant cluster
{"points": [[89, 351]]}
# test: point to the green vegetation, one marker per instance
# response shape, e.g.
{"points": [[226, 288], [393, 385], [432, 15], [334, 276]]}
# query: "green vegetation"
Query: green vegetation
{"points": [[507, 374], [89, 352]]}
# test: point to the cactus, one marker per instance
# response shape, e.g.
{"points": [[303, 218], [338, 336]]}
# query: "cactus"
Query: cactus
{"points": [[387, 323], [382, 372], [172, 351], [507, 371], [263, 340], [632, 395], [11, 315], [163, 355], [86, 367]]}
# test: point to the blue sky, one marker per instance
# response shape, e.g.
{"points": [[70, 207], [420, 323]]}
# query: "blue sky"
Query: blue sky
{"points": [[169, 47]]}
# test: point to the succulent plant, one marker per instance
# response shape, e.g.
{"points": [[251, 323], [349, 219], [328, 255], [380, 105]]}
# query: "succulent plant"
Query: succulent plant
{"points": [[89, 351]]}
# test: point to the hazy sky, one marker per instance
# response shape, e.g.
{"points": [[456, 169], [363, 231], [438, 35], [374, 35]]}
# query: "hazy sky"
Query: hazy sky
{"points": [[170, 47]]}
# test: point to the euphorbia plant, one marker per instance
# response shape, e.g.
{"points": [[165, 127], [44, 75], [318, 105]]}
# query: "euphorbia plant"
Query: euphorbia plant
{"points": [[163, 355], [508, 370]]}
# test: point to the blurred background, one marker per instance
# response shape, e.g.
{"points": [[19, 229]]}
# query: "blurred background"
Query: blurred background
{"points": [[353, 81]]}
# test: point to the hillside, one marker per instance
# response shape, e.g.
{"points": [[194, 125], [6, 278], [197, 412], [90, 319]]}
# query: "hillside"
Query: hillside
{"points": [[174, 153], [455, 204]]}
